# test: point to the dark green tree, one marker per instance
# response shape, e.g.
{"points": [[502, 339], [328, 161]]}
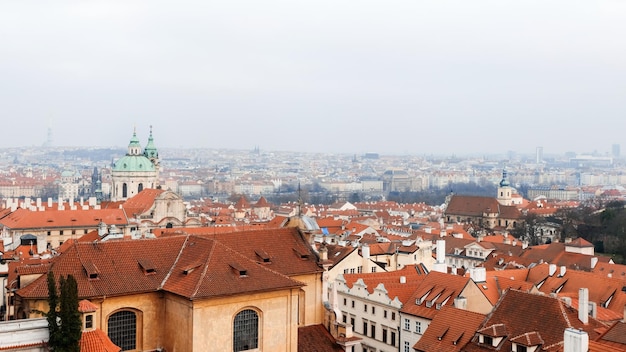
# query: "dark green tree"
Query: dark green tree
{"points": [[53, 314], [71, 324], [64, 321]]}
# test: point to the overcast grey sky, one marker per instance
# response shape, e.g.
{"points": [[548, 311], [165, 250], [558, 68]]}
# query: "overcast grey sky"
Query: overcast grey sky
{"points": [[394, 77]]}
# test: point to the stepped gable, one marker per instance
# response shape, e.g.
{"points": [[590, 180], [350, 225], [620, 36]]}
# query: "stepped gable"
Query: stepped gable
{"points": [[519, 316], [141, 202], [472, 205], [436, 285], [413, 274], [449, 331]]}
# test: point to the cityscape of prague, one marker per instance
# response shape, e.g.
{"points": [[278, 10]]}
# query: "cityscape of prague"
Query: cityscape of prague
{"points": [[328, 176]]}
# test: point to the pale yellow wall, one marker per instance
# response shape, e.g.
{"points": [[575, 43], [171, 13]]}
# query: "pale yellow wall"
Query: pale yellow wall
{"points": [[178, 333], [476, 300], [213, 321], [313, 305], [150, 316]]}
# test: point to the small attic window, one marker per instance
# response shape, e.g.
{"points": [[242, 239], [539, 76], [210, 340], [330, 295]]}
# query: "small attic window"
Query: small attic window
{"points": [[146, 266], [92, 271], [265, 258], [301, 253], [239, 269], [188, 269]]}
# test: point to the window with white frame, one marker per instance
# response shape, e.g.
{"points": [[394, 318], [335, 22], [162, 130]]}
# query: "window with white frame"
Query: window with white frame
{"points": [[407, 324]]}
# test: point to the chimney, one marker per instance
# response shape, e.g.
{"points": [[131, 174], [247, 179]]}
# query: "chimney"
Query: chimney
{"points": [[478, 274], [460, 302], [365, 251], [551, 269], [583, 305], [594, 262], [440, 264], [403, 279], [442, 233], [575, 340], [562, 272], [38, 202], [323, 253], [49, 202]]}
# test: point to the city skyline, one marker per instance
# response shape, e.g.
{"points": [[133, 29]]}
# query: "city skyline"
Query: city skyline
{"points": [[404, 78]]}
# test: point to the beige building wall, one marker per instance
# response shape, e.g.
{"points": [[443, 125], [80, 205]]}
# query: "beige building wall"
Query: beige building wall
{"points": [[278, 314], [311, 307]]}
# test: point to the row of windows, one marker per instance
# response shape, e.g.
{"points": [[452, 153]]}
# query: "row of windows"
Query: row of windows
{"points": [[122, 330], [373, 309], [61, 232], [358, 270], [418, 326]]}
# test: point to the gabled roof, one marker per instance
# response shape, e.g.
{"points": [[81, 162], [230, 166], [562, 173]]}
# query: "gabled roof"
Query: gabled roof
{"points": [[412, 274], [522, 313], [97, 341], [449, 331], [141, 202], [315, 338], [472, 205], [190, 266], [52, 218], [436, 288]]}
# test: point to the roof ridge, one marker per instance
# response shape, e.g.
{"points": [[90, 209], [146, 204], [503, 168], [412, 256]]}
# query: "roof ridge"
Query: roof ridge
{"points": [[205, 269], [169, 273]]}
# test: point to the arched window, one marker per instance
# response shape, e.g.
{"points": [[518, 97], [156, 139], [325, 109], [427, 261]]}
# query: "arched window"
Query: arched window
{"points": [[246, 330], [140, 187], [122, 328], [124, 190]]}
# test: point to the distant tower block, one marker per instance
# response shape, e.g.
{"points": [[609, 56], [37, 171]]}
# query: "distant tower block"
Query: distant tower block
{"points": [[539, 155], [48, 142], [616, 150]]}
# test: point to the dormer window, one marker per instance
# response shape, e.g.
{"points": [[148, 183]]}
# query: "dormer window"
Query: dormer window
{"points": [[239, 269], [92, 271], [88, 321], [146, 266], [263, 256]]}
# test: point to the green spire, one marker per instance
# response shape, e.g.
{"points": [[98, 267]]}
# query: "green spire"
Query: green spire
{"points": [[150, 151]]}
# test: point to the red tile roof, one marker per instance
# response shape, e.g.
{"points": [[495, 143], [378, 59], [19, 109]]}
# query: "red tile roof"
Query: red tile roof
{"points": [[449, 331], [26, 219], [97, 341], [435, 288], [520, 313], [192, 266], [413, 276], [315, 338], [141, 202]]}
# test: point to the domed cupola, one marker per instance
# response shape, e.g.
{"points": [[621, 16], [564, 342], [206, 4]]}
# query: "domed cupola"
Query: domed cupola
{"points": [[150, 151], [134, 148], [504, 182]]}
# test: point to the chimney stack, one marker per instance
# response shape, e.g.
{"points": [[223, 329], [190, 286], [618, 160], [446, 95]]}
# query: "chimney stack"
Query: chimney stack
{"points": [[583, 305], [575, 340], [594, 262], [551, 269]]}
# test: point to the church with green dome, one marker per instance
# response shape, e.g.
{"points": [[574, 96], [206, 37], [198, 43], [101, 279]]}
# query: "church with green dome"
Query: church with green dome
{"points": [[137, 170]]}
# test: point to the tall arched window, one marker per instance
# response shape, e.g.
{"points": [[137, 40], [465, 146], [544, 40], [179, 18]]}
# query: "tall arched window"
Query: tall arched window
{"points": [[122, 327], [124, 190], [246, 330], [140, 187]]}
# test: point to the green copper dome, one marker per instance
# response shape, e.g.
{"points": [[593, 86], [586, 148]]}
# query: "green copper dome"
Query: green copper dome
{"points": [[131, 163]]}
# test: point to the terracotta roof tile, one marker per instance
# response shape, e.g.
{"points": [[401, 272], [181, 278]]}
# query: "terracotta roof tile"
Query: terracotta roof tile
{"points": [[449, 331], [316, 338], [97, 341]]}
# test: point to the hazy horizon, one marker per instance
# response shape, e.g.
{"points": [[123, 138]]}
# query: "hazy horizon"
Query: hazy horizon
{"points": [[406, 77]]}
